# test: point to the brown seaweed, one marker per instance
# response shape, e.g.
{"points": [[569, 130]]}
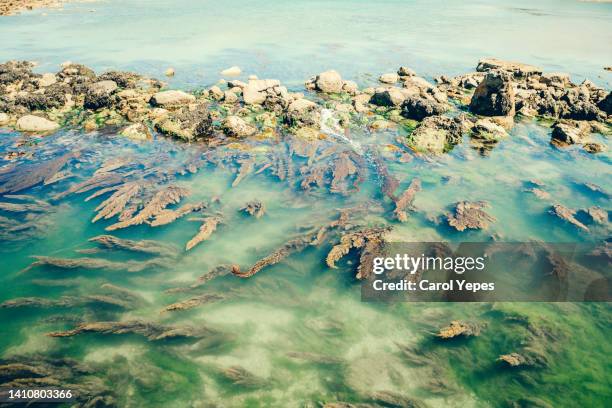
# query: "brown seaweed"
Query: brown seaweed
{"points": [[368, 240], [193, 302], [95, 263], [343, 168], [470, 215], [241, 376], [167, 216], [209, 225], [117, 202], [100, 180], [254, 208], [246, 167], [144, 246], [295, 245], [27, 176], [163, 198], [404, 201], [316, 358], [459, 329], [567, 214], [152, 331]]}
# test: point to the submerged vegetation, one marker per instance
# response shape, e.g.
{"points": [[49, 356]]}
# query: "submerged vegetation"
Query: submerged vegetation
{"points": [[106, 178]]}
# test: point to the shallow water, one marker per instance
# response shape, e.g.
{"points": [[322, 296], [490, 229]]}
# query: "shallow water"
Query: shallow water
{"points": [[300, 305]]}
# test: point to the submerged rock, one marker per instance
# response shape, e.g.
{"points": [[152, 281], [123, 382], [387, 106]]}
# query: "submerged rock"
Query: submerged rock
{"points": [[231, 71], [137, 131], [31, 123], [436, 134], [494, 96], [254, 208], [487, 130]]}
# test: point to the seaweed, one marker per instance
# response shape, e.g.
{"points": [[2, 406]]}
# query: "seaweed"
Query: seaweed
{"points": [[95, 263], [470, 215], [24, 177], [193, 302], [404, 201], [144, 246], [209, 225]]}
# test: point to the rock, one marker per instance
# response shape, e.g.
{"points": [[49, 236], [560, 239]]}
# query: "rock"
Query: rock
{"points": [[361, 101], [99, 95], [251, 77], [216, 93], [389, 78], [230, 97], [328, 82], [606, 104], [350, 87], [235, 126], [593, 147], [137, 131], [171, 98], [388, 97], [169, 72], [303, 112], [517, 69], [235, 83], [555, 79], [405, 72], [4, 119], [570, 132], [435, 134], [252, 96], [485, 129], [494, 96], [31, 123], [231, 71], [469, 215], [418, 107], [261, 85], [47, 80]]}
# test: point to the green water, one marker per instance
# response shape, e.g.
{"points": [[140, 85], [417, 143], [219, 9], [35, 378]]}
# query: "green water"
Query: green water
{"points": [[300, 305]]}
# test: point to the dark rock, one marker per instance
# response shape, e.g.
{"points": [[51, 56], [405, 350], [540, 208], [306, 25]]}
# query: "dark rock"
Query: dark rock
{"points": [[101, 95], [436, 133], [570, 132], [13, 71], [418, 107], [494, 96], [121, 78], [606, 104]]}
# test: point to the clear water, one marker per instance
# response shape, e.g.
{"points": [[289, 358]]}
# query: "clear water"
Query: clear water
{"points": [[300, 305]]}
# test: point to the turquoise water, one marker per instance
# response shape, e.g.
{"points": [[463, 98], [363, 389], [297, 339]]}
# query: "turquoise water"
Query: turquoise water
{"points": [[292, 40], [299, 305]]}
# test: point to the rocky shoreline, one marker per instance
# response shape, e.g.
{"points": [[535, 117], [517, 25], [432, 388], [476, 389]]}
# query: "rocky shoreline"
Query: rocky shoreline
{"points": [[11, 7], [483, 105]]}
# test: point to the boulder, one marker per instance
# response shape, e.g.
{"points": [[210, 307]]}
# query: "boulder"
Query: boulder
{"points": [[100, 95], [230, 97], [487, 130], [435, 134], [231, 71], [570, 132], [235, 126], [31, 123], [555, 79], [516, 69], [169, 72], [303, 112], [606, 104], [350, 87], [261, 85], [252, 96], [215, 92], [137, 131], [419, 107], [328, 82], [388, 97], [405, 72], [4, 118], [389, 78], [171, 98], [494, 96]]}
